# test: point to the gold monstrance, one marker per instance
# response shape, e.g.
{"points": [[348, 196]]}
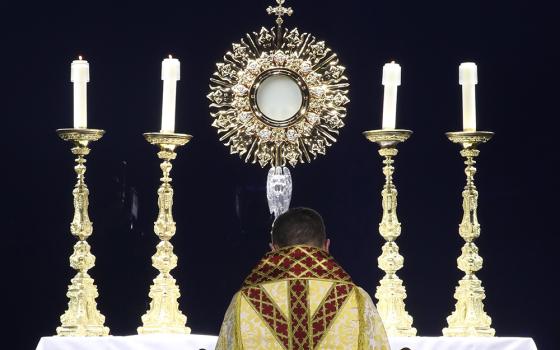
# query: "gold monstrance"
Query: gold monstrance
{"points": [[278, 98]]}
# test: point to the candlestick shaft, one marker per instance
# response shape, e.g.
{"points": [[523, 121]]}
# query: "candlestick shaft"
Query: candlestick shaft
{"points": [[391, 292], [469, 318], [82, 317], [164, 315]]}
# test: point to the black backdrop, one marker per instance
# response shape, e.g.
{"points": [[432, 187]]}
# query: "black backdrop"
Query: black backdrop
{"points": [[220, 205]]}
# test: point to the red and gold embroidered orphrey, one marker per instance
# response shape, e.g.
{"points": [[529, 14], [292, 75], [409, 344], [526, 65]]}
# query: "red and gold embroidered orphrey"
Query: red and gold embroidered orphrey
{"points": [[297, 262], [298, 296], [325, 314], [269, 312], [297, 265]]}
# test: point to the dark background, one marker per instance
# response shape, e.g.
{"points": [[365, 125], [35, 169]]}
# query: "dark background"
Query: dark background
{"points": [[220, 205]]}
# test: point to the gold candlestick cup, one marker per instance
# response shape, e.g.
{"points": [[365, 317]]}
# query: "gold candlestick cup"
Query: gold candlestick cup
{"points": [[391, 292], [82, 317], [164, 315], [469, 318]]}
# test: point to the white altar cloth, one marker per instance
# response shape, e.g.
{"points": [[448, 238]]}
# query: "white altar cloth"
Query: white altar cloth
{"points": [[460, 343], [132, 342], [208, 342]]}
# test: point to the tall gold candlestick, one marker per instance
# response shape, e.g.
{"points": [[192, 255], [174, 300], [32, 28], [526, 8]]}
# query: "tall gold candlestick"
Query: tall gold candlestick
{"points": [[391, 291], [469, 318], [164, 315], [82, 317]]}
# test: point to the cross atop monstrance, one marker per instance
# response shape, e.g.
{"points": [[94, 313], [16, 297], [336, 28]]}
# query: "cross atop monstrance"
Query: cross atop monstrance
{"points": [[279, 11]]}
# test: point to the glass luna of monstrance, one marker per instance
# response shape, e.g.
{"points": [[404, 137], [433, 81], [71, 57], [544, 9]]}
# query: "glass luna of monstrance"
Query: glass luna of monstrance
{"points": [[279, 100]]}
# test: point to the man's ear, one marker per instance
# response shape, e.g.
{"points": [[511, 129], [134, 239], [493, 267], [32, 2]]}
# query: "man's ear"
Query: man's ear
{"points": [[327, 245]]}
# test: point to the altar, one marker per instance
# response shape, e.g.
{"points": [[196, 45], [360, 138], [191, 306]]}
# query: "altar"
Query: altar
{"points": [[278, 98], [208, 342]]}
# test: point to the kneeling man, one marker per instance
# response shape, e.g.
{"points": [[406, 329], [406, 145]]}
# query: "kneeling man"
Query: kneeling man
{"points": [[298, 297]]}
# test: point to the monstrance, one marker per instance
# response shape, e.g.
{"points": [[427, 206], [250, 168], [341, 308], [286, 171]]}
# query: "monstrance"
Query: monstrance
{"points": [[278, 99]]}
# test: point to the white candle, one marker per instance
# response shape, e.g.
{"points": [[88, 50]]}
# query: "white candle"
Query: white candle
{"points": [[79, 75], [468, 79], [391, 79], [170, 73]]}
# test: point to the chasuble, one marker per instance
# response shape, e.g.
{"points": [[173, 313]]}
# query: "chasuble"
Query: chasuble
{"points": [[299, 298]]}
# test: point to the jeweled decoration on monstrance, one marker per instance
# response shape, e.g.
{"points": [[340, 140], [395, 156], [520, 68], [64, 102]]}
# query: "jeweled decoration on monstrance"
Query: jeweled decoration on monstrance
{"points": [[278, 99]]}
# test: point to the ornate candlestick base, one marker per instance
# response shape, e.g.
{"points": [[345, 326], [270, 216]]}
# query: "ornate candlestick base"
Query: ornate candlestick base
{"points": [[469, 318], [164, 315], [391, 291], [82, 317]]}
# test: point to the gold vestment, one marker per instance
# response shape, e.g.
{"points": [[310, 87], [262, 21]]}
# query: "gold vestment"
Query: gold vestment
{"points": [[299, 298]]}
